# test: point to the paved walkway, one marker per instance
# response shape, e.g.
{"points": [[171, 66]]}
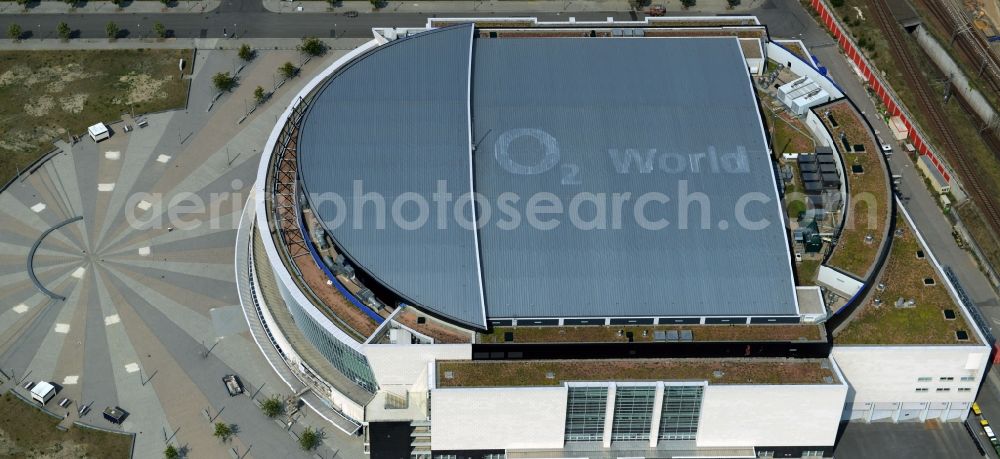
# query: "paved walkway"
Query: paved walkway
{"points": [[287, 44], [145, 303], [104, 7]]}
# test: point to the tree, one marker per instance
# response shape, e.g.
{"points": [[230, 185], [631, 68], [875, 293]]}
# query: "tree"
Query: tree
{"points": [[22, 2], [733, 3], [63, 30], [14, 32], [112, 30], [160, 30], [309, 439], [259, 96], [246, 52], [837, 3], [376, 3], [311, 46], [166, 2], [272, 406], [117, 3], [171, 453], [223, 81], [71, 3], [288, 70], [223, 431], [688, 3]]}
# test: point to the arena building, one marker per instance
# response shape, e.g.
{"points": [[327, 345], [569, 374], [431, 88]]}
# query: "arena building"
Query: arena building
{"points": [[509, 238]]}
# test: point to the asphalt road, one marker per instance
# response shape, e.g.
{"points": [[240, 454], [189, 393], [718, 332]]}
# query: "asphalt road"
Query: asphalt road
{"points": [[784, 18], [247, 22]]}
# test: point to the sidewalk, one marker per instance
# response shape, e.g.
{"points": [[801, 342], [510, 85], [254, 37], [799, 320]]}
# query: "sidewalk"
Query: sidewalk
{"points": [[104, 7], [172, 43], [515, 7]]}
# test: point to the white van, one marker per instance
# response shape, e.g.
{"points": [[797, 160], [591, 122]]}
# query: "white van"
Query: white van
{"points": [[99, 132], [43, 392]]}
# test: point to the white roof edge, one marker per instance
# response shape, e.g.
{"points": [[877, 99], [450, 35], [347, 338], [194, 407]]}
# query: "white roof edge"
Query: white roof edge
{"points": [[774, 180], [472, 179], [261, 196]]}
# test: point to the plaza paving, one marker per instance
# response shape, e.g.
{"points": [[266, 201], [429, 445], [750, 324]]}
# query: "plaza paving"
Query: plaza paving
{"points": [[148, 297]]}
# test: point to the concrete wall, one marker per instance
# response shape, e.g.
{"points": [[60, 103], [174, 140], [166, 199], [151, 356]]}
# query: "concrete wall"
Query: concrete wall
{"points": [[881, 89], [406, 364], [948, 66], [498, 418], [887, 377], [770, 415], [802, 68]]}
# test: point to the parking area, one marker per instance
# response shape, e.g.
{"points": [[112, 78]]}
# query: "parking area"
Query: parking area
{"points": [[909, 440]]}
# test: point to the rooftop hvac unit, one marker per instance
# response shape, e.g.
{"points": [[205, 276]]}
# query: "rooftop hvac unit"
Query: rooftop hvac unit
{"points": [[328, 261]]}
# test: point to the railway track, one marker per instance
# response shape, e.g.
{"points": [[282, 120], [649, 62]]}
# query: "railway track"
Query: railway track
{"points": [[970, 42], [927, 104]]}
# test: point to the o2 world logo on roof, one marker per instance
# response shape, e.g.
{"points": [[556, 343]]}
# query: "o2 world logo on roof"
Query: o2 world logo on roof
{"points": [[623, 160]]}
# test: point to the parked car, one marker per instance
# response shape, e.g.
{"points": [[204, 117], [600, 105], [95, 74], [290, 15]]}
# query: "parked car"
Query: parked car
{"points": [[975, 406], [233, 385], [886, 148], [351, 14]]}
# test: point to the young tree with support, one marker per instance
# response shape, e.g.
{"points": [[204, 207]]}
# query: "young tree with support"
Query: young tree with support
{"points": [[111, 29], [63, 30], [309, 439], [246, 53], [288, 70], [223, 81], [14, 32]]}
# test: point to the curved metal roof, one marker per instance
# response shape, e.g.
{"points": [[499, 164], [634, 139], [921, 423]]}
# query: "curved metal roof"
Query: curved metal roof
{"points": [[397, 121], [618, 113]]}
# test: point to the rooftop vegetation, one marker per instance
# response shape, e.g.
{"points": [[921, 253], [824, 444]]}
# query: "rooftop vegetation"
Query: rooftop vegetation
{"points": [[868, 204], [904, 277], [555, 372]]}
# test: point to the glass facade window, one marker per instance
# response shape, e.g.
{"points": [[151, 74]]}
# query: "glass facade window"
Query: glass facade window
{"points": [[680, 411], [585, 410], [348, 361], [633, 413]]}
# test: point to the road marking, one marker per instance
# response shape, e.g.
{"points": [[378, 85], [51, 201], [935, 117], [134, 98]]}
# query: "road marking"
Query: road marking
{"points": [[112, 319], [144, 205], [144, 251], [132, 367], [71, 380], [163, 159], [105, 187], [112, 155], [21, 308], [62, 328], [79, 272], [38, 207]]}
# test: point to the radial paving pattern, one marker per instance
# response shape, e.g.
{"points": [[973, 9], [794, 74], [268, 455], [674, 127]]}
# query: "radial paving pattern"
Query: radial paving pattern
{"points": [[148, 273]]}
